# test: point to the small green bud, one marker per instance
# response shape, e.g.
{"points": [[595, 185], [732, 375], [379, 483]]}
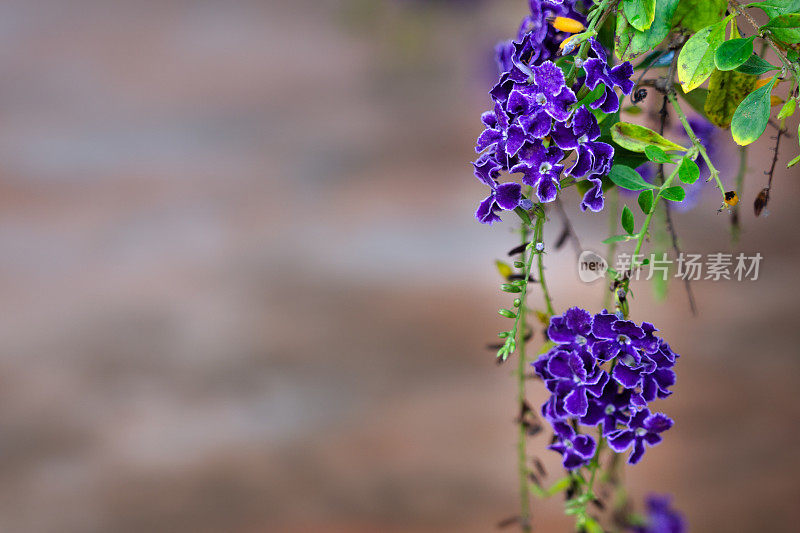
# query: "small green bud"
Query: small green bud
{"points": [[506, 313], [520, 264], [517, 302], [503, 334], [508, 287]]}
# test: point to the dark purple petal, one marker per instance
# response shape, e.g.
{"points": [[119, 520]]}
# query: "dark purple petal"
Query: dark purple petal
{"points": [[576, 403], [585, 446], [593, 199], [547, 190], [489, 137], [658, 422], [620, 440], [625, 376], [549, 79], [486, 212], [508, 195], [515, 140], [637, 453]]}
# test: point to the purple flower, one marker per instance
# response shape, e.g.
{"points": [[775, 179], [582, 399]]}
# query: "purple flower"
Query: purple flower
{"points": [[598, 71], [571, 377], [577, 450], [643, 428], [505, 196], [499, 135], [594, 157], [661, 517], [487, 169], [610, 409], [540, 167], [547, 93]]}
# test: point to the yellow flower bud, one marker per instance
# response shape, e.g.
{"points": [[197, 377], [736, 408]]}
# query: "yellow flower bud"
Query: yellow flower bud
{"points": [[564, 42], [567, 24]]}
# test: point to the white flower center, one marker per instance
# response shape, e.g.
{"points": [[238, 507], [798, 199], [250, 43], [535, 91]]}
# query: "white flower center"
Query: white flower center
{"points": [[610, 409], [641, 432], [540, 99], [545, 167], [582, 139]]}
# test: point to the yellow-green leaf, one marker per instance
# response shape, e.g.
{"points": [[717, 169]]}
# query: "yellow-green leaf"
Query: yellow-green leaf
{"points": [[696, 60], [640, 13], [636, 138]]}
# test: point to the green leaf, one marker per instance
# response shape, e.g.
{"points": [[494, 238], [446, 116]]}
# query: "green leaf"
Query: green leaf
{"points": [[646, 200], [657, 155], [640, 13], [636, 138], [788, 109], [617, 238], [627, 220], [696, 60], [593, 95], [733, 53], [785, 27], [627, 178], [688, 172], [631, 42], [751, 117], [694, 15], [788, 20], [673, 194], [793, 162], [774, 8], [726, 90], [756, 66]]}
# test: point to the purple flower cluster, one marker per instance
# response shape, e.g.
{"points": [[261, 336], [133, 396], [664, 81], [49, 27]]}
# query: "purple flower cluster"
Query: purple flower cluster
{"points": [[534, 125], [604, 371], [661, 517]]}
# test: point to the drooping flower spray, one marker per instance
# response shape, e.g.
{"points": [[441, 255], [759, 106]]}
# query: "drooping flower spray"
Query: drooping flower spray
{"points": [[554, 124]]}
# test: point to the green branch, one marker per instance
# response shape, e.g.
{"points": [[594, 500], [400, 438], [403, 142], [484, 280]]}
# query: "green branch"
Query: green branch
{"points": [[698, 146]]}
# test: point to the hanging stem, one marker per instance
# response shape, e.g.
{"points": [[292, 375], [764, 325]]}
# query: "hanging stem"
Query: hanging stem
{"points": [[538, 233], [613, 217], [522, 453], [695, 141]]}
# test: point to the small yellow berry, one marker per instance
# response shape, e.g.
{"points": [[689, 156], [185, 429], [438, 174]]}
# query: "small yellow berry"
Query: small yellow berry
{"points": [[731, 198], [567, 24]]}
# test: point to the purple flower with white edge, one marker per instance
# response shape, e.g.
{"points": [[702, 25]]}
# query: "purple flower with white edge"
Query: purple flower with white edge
{"points": [[573, 328], [487, 169], [499, 135], [547, 93], [505, 196], [598, 71], [594, 157], [540, 167], [577, 450], [571, 377], [661, 517], [610, 409], [644, 428]]}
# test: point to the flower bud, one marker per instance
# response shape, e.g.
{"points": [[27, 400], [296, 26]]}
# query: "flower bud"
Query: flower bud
{"points": [[567, 25]]}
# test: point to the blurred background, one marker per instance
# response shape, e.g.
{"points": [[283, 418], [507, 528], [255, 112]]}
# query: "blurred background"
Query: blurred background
{"points": [[243, 289]]}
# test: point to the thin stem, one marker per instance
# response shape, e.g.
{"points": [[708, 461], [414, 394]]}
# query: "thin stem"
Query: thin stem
{"points": [[604, 8], [522, 453], [739, 9], [695, 140], [538, 234], [613, 217]]}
